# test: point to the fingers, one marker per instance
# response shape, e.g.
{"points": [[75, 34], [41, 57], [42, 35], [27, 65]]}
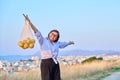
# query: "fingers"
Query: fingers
{"points": [[71, 42], [26, 17]]}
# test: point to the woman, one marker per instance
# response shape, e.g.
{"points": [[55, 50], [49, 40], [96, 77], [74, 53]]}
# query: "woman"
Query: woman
{"points": [[49, 52]]}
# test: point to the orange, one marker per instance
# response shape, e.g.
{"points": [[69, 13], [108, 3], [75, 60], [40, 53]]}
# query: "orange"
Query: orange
{"points": [[28, 41], [25, 46], [32, 41], [31, 45], [24, 41], [20, 43]]}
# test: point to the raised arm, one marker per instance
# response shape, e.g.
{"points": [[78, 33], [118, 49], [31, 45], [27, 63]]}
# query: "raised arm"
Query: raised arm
{"points": [[32, 26]]}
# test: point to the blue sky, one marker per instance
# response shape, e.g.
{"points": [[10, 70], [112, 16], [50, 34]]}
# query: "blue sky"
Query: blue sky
{"points": [[91, 24]]}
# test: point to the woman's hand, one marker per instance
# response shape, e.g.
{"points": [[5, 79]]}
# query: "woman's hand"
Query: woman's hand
{"points": [[71, 42], [26, 17], [32, 26]]}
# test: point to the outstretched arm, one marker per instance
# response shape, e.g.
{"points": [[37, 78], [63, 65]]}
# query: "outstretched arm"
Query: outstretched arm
{"points": [[32, 26], [65, 44]]}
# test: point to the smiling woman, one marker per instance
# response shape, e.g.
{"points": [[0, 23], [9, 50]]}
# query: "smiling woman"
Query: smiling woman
{"points": [[49, 48], [54, 35]]}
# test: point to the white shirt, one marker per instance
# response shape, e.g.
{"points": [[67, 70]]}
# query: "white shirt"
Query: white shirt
{"points": [[48, 49]]}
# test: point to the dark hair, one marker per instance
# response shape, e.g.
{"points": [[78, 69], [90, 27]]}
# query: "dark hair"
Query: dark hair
{"points": [[57, 36]]}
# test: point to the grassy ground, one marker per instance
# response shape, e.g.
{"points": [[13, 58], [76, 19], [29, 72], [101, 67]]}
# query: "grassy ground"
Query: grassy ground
{"points": [[88, 71]]}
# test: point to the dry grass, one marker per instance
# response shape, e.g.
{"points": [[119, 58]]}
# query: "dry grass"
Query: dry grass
{"points": [[87, 71], [31, 75]]}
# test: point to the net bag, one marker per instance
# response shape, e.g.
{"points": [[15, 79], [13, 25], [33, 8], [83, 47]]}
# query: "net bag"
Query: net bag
{"points": [[26, 38]]}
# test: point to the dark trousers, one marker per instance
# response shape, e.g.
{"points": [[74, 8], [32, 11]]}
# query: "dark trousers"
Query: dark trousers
{"points": [[50, 70]]}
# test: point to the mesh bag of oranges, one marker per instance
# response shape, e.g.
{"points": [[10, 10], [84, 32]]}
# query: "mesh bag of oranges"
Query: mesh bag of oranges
{"points": [[26, 39]]}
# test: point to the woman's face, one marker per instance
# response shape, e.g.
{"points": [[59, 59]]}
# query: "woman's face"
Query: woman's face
{"points": [[53, 36]]}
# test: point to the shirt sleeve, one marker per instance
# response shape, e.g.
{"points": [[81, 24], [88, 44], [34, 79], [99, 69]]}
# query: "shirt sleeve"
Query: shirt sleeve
{"points": [[39, 37], [63, 44]]}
